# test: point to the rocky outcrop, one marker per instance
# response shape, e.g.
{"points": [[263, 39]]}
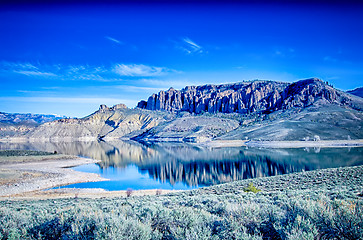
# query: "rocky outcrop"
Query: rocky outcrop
{"points": [[239, 97], [104, 107], [247, 97]]}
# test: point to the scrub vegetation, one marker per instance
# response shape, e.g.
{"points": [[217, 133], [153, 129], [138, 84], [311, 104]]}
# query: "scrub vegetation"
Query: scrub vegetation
{"points": [[322, 204]]}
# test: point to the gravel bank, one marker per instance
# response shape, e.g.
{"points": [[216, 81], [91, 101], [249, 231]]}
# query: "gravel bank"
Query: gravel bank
{"points": [[21, 176]]}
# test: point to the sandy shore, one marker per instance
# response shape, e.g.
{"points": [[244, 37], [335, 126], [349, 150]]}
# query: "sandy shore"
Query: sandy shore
{"points": [[32, 177], [283, 144], [20, 177]]}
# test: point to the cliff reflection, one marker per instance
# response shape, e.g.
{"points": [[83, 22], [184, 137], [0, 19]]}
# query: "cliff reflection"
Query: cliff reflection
{"points": [[196, 166], [215, 172]]}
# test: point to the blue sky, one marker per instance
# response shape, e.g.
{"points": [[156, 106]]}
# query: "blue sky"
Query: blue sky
{"points": [[69, 58]]}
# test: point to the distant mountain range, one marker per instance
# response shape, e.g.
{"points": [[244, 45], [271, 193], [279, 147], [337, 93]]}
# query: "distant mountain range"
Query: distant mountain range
{"points": [[14, 123], [358, 92], [28, 118], [265, 110]]}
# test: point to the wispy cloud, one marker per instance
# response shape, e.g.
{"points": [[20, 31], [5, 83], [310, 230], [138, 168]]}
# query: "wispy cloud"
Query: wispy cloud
{"points": [[36, 73], [111, 73], [190, 47], [139, 70], [114, 40], [15, 65], [27, 69]]}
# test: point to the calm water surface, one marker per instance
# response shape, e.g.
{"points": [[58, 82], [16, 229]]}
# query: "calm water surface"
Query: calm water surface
{"points": [[182, 166]]}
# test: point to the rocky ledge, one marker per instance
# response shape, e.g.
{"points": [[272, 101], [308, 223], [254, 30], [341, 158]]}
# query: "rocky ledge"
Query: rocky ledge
{"points": [[248, 97]]}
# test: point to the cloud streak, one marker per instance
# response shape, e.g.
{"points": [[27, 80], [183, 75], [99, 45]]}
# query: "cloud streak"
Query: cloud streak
{"points": [[139, 70], [36, 73], [112, 73], [190, 47], [114, 40]]}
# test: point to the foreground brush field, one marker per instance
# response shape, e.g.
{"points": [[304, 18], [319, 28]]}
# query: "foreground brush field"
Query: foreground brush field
{"points": [[322, 204]]}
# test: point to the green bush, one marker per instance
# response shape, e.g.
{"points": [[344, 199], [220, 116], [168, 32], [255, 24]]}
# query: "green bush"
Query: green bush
{"points": [[251, 188]]}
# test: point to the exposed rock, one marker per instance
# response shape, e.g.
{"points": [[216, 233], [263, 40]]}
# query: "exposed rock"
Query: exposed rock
{"points": [[103, 107], [247, 97], [114, 122], [119, 106]]}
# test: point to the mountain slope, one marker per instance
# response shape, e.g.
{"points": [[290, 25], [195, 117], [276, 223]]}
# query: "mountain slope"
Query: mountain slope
{"points": [[303, 110], [249, 97], [357, 92], [114, 122], [315, 122]]}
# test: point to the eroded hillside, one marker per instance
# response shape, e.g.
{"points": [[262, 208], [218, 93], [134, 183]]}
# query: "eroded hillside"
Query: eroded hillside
{"points": [[114, 122], [305, 110]]}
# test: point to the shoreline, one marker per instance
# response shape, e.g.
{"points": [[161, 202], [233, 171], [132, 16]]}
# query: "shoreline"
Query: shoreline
{"points": [[33, 177], [224, 143], [36, 175], [304, 144], [284, 144]]}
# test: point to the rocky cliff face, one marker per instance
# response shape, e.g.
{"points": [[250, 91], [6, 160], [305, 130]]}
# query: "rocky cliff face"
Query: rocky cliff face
{"points": [[246, 97]]}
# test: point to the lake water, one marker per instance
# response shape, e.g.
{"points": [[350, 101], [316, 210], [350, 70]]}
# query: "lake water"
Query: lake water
{"points": [[182, 166]]}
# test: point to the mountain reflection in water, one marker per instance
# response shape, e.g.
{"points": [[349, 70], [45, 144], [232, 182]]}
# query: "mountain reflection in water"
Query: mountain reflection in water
{"points": [[198, 166]]}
